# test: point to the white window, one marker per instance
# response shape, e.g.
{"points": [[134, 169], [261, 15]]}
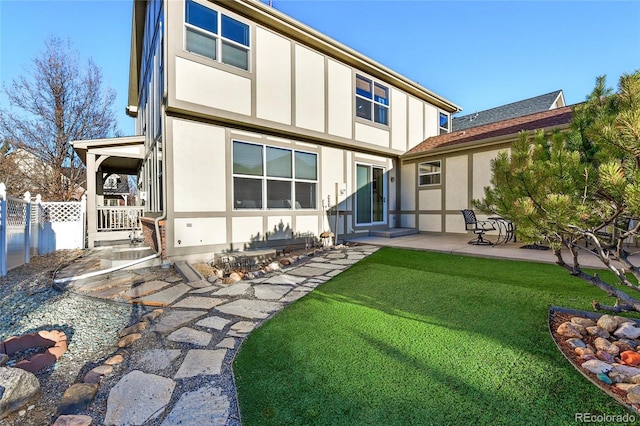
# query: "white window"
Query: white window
{"points": [[429, 173], [444, 123], [372, 100], [273, 178], [216, 36]]}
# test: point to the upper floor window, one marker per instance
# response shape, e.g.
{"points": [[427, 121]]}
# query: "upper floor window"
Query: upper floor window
{"points": [[216, 36], [272, 177], [372, 100], [429, 173], [444, 123]]}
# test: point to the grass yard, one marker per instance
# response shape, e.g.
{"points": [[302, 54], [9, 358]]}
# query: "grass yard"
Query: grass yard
{"points": [[409, 337]]}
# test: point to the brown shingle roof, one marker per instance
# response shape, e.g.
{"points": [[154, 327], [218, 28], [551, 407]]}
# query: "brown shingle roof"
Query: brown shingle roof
{"points": [[541, 120]]}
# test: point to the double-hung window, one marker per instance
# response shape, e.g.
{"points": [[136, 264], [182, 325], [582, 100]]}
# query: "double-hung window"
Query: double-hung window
{"points": [[216, 36], [372, 100], [273, 178], [444, 123], [429, 173]]}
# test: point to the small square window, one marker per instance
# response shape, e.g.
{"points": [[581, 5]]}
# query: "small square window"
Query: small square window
{"points": [[429, 173]]}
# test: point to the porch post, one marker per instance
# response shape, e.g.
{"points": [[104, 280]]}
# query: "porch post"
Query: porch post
{"points": [[92, 216], [27, 226]]}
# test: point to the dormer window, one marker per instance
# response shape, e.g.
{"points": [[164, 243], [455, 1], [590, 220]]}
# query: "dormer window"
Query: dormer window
{"points": [[372, 100], [216, 36]]}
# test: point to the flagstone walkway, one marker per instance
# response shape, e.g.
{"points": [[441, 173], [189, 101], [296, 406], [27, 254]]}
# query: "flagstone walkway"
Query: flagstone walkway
{"points": [[178, 359]]}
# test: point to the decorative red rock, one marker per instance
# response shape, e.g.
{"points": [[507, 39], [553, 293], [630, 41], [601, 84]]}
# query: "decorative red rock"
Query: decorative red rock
{"points": [[630, 357], [54, 340]]}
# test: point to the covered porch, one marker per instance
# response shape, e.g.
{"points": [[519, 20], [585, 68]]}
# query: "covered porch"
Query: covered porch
{"points": [[102, 158]]}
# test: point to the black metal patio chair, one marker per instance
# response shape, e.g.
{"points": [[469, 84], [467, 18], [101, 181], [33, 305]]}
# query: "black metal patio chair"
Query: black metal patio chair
{"points": [[478, 227]]}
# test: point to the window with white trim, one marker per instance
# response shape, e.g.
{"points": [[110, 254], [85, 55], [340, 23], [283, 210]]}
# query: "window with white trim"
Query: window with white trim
{"points": [[216, 36], [267, 177], [443, 123], [372, 100], [429, 173]]}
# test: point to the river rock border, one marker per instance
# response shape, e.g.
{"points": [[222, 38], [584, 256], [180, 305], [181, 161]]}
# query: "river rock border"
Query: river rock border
{"points": [[604, 348]]}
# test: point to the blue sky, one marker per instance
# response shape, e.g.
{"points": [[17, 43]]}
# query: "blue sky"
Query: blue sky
{"points": [[478, 54]]}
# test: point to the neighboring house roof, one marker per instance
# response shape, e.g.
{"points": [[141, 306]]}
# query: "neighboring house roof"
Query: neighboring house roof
{"points": [[501, 131], [121, 187], [516, 109]]}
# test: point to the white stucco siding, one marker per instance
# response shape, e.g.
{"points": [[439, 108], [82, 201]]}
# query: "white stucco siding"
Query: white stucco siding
{"points": [[416, 122], [279, 228], [454, 223], [482, 172], [430, 199], [340, 100], [408, 220], [332, 172], [273, 77], [307, 224], [310, 92], [398, 120], [430, 223], [202, 231], [456, 180], [246, 229], [212, 87], [199, 169], [408, 187], [372, 135], [431, 123]]}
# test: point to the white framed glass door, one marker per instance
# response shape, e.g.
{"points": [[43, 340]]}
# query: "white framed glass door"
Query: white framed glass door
{"points": [[371, 195]]}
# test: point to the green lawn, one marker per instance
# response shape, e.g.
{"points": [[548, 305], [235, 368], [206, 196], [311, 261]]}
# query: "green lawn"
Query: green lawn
{"points": [[408, 337]]}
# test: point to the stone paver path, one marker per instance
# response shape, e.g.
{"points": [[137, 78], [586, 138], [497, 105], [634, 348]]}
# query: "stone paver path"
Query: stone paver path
{"points": [[185, 376]]}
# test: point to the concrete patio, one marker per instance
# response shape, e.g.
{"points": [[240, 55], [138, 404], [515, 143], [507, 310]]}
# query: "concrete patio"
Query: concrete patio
{"points": [[458, 244]]}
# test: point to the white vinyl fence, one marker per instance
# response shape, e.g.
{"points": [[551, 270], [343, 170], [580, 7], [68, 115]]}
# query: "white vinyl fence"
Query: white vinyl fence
{"points": [[32, 227]]}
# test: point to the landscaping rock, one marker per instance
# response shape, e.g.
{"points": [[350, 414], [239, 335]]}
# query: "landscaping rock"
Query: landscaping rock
{"points": [[622, 320], [623, 346], [574, 342], [627, 331], [630, 357], [585, 322], [625, 369], [17, 388], [135, 328], [128, 340], [633, 394], [619, 377], [606, 346], [608, 322], [73, 420], [598, 331], [605, 356], [595, 366], [604, 378], [77, 398]]}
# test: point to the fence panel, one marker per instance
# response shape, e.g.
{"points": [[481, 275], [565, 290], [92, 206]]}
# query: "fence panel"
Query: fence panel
{"points": [[15, 224], [66, 224], [29, 227]]}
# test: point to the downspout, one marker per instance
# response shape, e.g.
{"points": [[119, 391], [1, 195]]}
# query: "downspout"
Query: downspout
{"points": [[163, 109]]}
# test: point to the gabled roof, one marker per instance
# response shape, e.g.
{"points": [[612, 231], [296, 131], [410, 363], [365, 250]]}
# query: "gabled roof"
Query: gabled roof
{"points": [[516, 109], [502, 131]]}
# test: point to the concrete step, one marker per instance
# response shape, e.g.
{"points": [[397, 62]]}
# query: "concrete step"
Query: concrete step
{"points": [[393, 232]]}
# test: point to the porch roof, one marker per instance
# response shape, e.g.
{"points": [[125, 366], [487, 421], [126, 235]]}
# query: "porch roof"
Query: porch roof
{"points": [[122, 155], [499, 132]]}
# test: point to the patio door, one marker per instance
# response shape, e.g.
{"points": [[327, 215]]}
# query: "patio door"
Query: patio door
{"points": [[371, 195]]}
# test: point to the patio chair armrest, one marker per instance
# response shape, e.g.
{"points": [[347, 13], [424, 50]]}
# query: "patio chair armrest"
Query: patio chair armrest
{"points": [[486, 225]]}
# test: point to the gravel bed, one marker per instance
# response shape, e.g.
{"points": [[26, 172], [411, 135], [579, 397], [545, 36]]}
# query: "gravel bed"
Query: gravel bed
{"points": [[29, 303]]}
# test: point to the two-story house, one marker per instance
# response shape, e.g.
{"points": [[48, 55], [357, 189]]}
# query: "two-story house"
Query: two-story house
{"points": [[254, 126]]}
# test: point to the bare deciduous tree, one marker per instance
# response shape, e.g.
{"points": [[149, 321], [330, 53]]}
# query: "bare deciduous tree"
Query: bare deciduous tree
{"points": [[56, 102]]}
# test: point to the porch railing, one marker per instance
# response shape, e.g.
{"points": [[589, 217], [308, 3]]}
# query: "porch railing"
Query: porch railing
{"points": [[119, 218]]}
